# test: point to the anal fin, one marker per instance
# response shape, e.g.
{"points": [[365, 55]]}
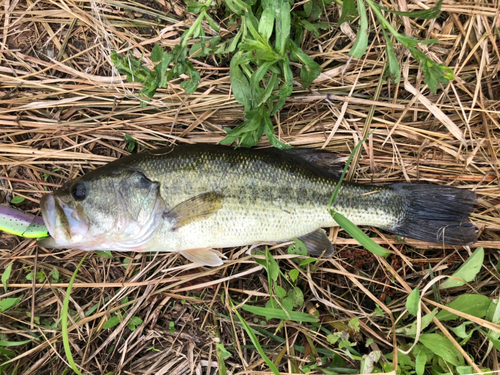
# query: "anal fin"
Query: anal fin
{"points": [[317, 242], [203, 257]]}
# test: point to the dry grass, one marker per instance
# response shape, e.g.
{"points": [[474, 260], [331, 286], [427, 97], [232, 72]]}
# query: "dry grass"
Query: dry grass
{"points": [[64, 111]]}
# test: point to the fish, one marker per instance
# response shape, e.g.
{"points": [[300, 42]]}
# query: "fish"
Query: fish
{"points": [[196, 199]]}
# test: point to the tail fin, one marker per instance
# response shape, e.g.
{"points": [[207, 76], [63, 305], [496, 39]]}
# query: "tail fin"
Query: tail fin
{"points": [[437, 214]]}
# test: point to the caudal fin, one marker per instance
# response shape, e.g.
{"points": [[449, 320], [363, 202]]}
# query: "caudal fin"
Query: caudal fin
{"points": [[437, 214]]}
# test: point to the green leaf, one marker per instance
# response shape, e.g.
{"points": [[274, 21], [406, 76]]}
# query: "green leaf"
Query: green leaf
{"points": [[133, 323], [280, 314], [425, 14], [393, 67], [460, 331], [256, 343], [307, 261], [294, 274], [297, 248], [104, 253], [7, 303], [283, 22], [349, 11], [310, 69], [14, 343], [224, 354], [111, 322], [359, 47], [420, 362], [413, 302], [55, 274], [467, 271], [359, 235], [271, 266], [411, 329], [6, 276], [280, 291], [442, 347], [269, 131], [156, 53], [297, 296], [131, 142], [240, 84], [194, 7], [17, 199], [266, 23], [472, 304]]}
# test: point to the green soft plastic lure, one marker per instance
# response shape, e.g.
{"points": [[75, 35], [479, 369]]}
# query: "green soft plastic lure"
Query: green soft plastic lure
{"points": [[21, 223]]}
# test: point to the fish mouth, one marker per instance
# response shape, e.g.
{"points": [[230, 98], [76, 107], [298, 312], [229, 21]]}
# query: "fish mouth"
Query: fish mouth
{"points": [[47, 204], [64, 223]]}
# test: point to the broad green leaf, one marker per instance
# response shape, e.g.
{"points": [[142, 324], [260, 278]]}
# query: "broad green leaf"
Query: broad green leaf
{"points": [[472, 304], [156, 53], [6, 276], [307, 261], [111, 322], [7, 303], [359, 235], [464, 370], [460, 330], [17, 199], [297, 248], [413, 302], [280, 291], [359, 47], [467, 271], [280, 314], [104, 253], [266, 23], [297, 296], [411, 329], [133, 323], [271, 266], [349, 11], [442, 347], [283, 21], [239, 83], [294, 274], [420, 363]]}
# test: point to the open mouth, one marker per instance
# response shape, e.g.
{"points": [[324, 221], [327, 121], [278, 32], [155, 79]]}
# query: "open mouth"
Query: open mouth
{"points": [[62, 221], [47, 203]]}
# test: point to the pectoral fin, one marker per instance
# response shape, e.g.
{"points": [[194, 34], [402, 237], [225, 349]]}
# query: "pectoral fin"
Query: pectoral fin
{"points": [[203, 257], [197, 208], [317, 242]]}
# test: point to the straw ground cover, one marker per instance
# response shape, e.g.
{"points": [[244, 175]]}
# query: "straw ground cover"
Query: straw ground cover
{"points": [[66, 110]]}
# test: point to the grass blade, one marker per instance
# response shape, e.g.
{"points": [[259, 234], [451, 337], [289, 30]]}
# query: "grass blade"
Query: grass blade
{"points": [[64, 320]]}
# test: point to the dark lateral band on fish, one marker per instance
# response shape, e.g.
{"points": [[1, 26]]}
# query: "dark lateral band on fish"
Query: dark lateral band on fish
{"points": [[195, 198]]}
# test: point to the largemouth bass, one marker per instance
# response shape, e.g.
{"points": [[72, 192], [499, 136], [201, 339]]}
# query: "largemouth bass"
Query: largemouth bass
{"points": [[198, 198]]}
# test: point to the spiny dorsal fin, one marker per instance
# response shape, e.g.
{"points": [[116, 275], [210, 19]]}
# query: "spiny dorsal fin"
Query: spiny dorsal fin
{"points": [[317, 242], [196, 208]]}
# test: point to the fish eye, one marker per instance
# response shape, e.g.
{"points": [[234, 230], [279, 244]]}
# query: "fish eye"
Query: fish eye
{"points": [[78, 191]]}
